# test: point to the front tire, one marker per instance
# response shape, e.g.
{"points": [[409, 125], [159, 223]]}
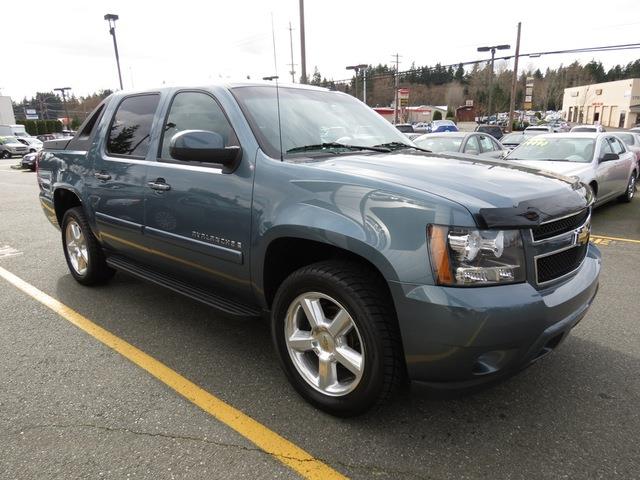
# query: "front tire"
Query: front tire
{"points": [[631, 189], [84, 255], [336, 334]]}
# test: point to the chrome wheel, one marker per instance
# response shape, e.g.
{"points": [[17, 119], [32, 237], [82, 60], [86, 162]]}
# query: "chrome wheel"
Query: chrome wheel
{"points": [[76, 245], [631, 189], [324, 344]]}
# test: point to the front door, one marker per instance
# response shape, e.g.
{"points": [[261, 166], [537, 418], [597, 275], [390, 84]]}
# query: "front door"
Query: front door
{"points": [[116, 191], [198, 214]]}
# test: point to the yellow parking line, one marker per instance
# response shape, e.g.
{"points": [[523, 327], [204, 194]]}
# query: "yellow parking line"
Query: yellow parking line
{"points": [[619, 239], [270, 442]]}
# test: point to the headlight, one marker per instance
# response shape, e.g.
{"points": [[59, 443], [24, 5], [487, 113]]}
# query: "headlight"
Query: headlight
{"points": [[463, 256]]}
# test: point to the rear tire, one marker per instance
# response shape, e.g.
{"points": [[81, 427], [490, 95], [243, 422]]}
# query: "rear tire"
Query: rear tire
{"points": [[351, 360], [84, 255], [631, 189]]}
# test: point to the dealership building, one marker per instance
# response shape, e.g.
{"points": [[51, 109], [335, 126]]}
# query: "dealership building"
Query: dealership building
{"points": [[611, 104]]}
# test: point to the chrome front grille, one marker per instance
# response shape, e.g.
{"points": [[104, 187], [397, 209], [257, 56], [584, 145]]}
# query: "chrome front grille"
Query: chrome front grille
{"points": [[560, 226], [560, 246]]}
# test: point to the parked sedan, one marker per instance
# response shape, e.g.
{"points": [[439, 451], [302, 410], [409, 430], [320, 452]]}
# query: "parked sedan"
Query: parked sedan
{"points": [[588, 128], [443, 126], [512, 140], [600, 160], [29, 161], [473, 143], [32, 143], [494, 130], [10, 146], [632, 141]]}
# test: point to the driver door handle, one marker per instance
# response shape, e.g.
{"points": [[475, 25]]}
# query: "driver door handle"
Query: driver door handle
{"points": [[159, 185], [102, 176]]}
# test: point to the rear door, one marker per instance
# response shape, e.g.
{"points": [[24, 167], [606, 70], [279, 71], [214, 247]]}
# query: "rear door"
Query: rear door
{"points": [[198, 214], [119, 172]]}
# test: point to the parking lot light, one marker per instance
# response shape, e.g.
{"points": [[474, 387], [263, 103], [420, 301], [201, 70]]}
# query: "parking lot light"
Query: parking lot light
{"points": [[492, 49], [357, 68], [111, 19]]}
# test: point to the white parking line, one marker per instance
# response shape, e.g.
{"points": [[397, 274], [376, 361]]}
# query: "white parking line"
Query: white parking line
{"points": [[8, 251]]}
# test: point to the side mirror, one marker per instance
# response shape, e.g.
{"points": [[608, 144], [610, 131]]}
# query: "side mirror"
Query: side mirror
{"points": [[202, 146], [607, 157]]}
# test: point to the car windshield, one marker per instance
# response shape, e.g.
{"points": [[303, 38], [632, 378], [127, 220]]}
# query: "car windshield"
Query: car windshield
{"points": [[439, 144], [313, 118], [513, 138], [436, 123], [626, 138], [564, 149], [10, 140]]}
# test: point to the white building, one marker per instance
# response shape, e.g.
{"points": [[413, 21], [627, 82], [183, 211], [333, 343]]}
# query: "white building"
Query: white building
{"points": [[612, 104], [6, 111]]}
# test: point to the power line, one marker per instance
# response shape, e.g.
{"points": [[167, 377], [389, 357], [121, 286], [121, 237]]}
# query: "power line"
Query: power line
{"points": [[606, 48]]}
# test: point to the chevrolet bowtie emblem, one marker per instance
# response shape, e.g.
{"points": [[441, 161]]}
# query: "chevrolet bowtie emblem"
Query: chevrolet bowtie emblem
{"points": [[581, 235]]}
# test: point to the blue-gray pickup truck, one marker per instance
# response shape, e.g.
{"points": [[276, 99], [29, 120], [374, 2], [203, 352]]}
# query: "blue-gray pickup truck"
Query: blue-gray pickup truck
{"points": [[376, 261]]}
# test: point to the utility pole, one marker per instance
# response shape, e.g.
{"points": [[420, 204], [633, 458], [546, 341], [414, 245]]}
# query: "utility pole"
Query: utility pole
{"points": [[293, 70], [356, 69], [514, 81], [111, 19], [62, 91], [397, 79], [303, 50]]}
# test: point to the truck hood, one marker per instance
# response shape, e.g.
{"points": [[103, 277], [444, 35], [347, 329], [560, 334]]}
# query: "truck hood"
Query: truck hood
{"points": [[496, 193]]}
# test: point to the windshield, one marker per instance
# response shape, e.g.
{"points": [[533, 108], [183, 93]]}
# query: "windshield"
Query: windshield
{"points": [[439, 144], [584, 129], [9, 140], [555, 149], [312, 117], [626, 138], [513, 138]]}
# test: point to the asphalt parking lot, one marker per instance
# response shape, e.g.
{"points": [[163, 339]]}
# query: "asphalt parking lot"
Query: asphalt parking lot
{"points": [[71, 407]]}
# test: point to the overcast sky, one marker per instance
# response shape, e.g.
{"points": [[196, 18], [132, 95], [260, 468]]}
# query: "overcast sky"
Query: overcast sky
{"points": [[60, 44]]}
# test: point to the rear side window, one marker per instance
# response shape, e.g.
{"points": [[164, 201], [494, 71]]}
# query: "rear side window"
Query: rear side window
{"points": [[616, 145], [88, 127], [130, 130]]}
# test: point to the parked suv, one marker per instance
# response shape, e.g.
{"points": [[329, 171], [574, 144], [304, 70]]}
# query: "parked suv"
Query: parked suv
{"points": [[10, 146], [374, 260]]}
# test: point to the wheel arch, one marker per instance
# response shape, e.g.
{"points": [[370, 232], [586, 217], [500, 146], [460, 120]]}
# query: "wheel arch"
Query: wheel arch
{"points": [[287, 253], [65, 198]]}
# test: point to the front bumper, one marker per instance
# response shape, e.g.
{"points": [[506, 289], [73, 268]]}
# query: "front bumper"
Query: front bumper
{"points": [[472, 335]]}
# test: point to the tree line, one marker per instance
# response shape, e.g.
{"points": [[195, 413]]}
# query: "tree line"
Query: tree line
{"points": [[451, 86]]}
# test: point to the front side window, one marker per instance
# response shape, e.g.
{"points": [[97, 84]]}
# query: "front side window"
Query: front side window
{"points": [[486, 144], [130, 132], [439, 144], [195, 111], [616, 145]]}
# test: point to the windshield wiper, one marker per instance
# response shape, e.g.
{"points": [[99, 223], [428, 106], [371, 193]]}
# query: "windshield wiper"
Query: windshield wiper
{"points": [[400, 145], [332, 145]]}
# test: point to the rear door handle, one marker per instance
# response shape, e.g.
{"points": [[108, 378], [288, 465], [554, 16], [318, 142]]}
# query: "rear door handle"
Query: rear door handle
{"points": [[159, 185], [102, 176]]}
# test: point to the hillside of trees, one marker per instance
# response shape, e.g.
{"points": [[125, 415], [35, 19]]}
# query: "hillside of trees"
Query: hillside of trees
{"points": [[446, 85], [49, 106]]}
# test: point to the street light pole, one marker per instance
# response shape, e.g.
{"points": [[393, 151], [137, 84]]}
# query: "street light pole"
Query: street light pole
{"points": [[62, 91], [492, 49], [514, 81], [357, 69], [111, 19]]}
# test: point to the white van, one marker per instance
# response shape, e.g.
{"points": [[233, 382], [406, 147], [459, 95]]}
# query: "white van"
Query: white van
{"points": [[13, 131]]}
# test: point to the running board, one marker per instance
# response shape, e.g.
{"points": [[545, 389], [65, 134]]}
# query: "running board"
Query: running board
{"points": [[218, 302]]}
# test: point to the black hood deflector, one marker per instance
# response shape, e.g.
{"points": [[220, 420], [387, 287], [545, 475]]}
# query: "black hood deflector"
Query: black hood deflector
{"points": [[532, 213]]}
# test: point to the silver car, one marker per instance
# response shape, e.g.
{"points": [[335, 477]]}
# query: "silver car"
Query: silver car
{"points": [[600, 160], [474, 143], [10, 146]]}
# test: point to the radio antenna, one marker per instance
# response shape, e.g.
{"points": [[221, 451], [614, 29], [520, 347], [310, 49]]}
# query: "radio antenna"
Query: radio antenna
{"points": [[275, 77]]}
